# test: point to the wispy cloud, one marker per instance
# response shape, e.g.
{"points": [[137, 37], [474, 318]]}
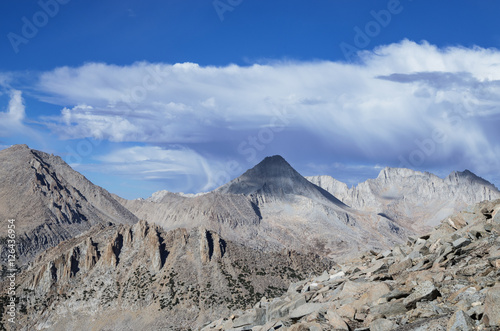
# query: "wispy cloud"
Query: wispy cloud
{"points": [[181, 169]]}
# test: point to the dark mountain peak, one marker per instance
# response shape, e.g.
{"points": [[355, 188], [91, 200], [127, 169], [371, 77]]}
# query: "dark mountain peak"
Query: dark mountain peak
{"points": [[275, 160], [273, 166], [274, 178], [467, 173], [272, 175], [464, 174]]}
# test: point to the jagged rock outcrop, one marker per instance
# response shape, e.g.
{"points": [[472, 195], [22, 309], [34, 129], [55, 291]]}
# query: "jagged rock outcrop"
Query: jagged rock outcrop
{"points": [[91, 254], [178, 279], [49, 201], [447, 279], [415, 199]]}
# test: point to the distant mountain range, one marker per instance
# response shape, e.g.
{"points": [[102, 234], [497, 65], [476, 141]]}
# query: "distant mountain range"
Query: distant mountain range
{"points": [[84, 254], [272, 206], [418, 200]]}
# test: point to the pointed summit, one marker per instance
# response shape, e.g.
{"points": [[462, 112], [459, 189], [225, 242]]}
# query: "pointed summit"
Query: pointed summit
{"points": [[274, 178], [273, 168]]}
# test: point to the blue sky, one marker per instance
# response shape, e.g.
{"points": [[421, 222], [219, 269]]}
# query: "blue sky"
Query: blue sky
{"points": [[185, 95]]}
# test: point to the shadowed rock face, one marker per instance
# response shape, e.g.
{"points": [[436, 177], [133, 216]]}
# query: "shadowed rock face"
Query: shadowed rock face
{"points": [[273, 176], [49, 201], [275, 179]]}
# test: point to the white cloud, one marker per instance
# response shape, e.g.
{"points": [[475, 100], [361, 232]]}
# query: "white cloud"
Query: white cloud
{"points": [[182, 168], [12, 119], [382, 108]]}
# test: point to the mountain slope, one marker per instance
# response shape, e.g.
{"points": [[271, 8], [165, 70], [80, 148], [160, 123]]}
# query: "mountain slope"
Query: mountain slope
{"points": [[126, 277], [413, 198], [49, 201]]}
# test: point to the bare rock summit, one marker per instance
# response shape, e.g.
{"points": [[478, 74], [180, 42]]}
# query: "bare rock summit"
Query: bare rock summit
{"points": [[49, 201]]}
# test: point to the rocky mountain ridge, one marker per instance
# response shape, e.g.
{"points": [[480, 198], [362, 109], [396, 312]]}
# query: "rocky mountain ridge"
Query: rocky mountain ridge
{"points": [[445, 280], [275, 179], [49, 201], [272, 207], [412, 197]]}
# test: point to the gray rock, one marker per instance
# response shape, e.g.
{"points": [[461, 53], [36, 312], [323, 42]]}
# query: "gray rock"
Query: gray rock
{"points": [[414, 255], [280, 309], [460, 321], [387, 253], [376, 267], [389, 308], [496, 218], [336, 321], [397, 268], [252, 317], [382, 324], [424, 291], [323, 278], [492, 305], [431, 324], [306, 309], [337, 276], [296, 287], [396, 294], [488, 227], [461, 242]]}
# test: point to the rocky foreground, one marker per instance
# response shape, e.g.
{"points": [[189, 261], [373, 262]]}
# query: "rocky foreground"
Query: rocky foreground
{"points": [[445, 280]]}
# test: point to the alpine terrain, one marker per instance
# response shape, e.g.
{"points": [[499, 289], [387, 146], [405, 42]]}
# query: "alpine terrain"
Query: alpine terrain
{"points": [[248, 254]]}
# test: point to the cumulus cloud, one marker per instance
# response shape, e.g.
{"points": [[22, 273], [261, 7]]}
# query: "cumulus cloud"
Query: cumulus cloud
{"points": [[12, 119], [392, 106]]}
